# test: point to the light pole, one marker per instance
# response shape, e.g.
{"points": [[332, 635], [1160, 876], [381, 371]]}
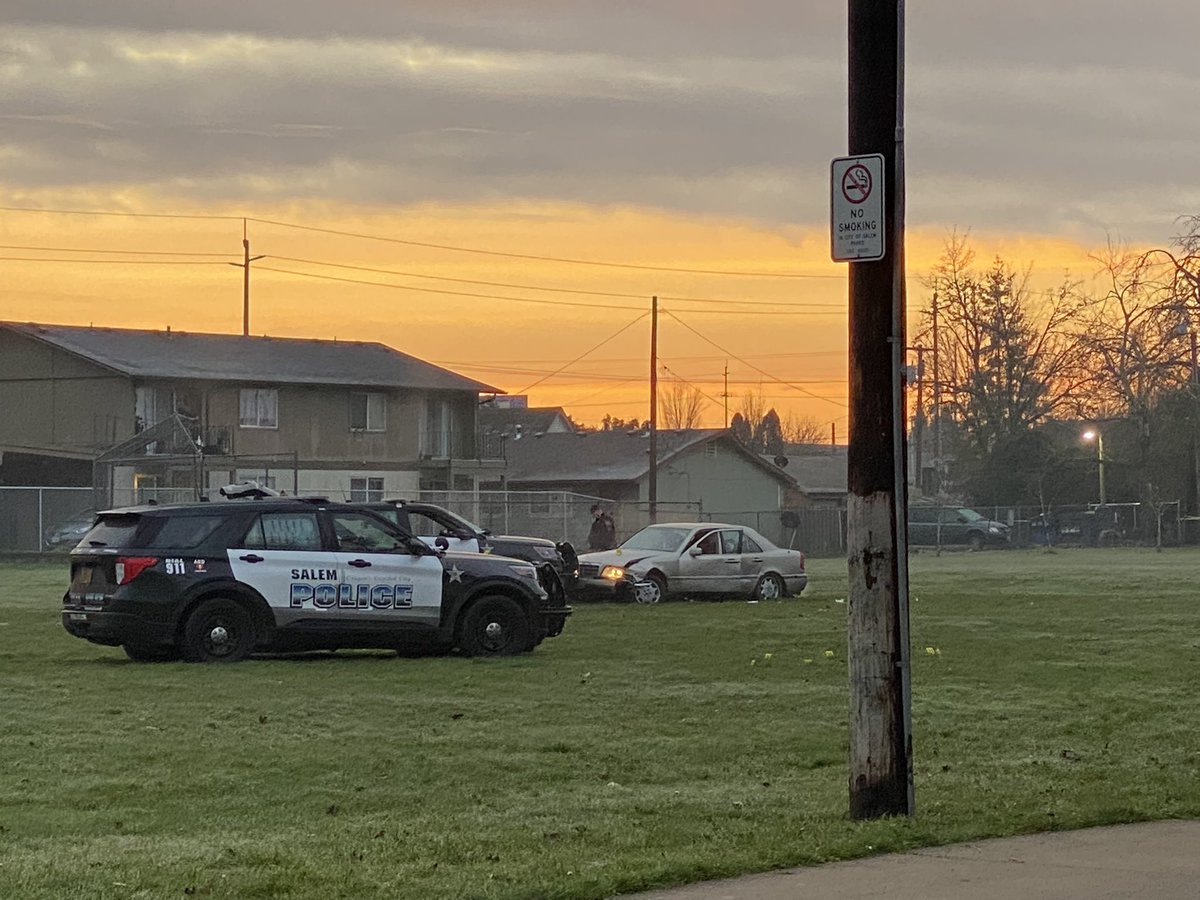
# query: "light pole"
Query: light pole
{"points": [[1095, 435]]}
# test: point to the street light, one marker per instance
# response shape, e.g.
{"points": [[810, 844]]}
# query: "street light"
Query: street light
{"points": [[1095, 435]]}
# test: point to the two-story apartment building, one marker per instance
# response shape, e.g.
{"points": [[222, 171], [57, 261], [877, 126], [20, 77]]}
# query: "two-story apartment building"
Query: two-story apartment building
{"points": [[170, 410]]}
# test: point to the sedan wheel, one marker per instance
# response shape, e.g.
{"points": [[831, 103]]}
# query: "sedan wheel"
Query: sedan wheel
{"points": [[652, 590], [770, 587]]}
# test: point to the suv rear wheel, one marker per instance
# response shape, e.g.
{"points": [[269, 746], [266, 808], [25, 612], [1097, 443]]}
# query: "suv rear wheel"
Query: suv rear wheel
{"points": [[496, 626], [218, 630]]}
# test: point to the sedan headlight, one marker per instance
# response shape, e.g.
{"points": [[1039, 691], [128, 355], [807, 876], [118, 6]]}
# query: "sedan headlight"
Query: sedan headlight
{"points": [[615, 573], [524, 572], [546, 552]]}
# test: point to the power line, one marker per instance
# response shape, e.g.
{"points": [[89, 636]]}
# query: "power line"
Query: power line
{"points": [[557, 303], [405, 287], [132, 215], [531, 256], [615, 334], [616, 359], [119, 262], [751, 365], [561, 290], [95, 250]]}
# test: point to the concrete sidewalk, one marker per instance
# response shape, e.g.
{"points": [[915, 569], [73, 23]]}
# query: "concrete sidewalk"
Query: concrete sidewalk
{"points": [[1155, 860]]}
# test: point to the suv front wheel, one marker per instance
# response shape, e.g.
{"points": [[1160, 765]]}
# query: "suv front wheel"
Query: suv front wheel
{"points": [[218, 630], [496, 626]]}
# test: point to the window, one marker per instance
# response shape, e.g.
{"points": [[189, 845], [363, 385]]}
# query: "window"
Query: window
{"points": [[184, 532], [749, 544], [259, 408], [356, 531], [437, 428], [731, 541], [366, 490], [368, 412], [284, 531]]}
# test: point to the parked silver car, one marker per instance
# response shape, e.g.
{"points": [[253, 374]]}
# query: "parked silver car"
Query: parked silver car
{"points": [[693, 558]]}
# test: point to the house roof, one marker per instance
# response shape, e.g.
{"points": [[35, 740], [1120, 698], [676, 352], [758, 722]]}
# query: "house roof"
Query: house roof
{"points": [[229, 357], [528, 420], [611, 455], [821, 472]]}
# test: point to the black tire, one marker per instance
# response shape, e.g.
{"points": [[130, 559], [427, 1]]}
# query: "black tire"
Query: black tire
{"points": [[657, 593], [495, 626], [218, 630], [151, 652], [770, 587]]}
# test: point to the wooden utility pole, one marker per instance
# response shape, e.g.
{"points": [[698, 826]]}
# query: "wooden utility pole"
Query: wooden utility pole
{"points": [[919, 421], [937, 402], [653, 491], [880, 721], [245, 266]]}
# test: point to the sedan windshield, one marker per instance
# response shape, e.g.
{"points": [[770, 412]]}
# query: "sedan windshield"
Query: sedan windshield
{"points": [[657, 537]]}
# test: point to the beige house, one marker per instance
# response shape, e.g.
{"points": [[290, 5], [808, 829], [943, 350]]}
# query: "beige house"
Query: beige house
{"points": [[176, 413]]}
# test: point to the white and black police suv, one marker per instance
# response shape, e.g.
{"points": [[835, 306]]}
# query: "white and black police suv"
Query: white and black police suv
{"points": [[215, 582], [557, 564]]}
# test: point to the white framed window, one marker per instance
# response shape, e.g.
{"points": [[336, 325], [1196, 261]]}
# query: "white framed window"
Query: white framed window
{"points": [[366, 490], [258, 408], [368, 412]]}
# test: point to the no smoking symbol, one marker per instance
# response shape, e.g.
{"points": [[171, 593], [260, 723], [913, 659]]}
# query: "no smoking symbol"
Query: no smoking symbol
{"points": [[856, 184]]}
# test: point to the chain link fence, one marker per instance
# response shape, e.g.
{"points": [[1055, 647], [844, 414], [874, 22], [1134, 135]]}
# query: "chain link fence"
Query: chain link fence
{"points": [[34, 519]]}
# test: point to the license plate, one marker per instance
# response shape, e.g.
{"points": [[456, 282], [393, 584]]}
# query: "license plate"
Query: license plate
{"points": [[77, 617], [84, 576]]}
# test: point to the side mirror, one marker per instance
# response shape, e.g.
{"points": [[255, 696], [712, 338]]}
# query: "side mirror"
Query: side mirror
{"points": [[694, 550], [441, 543]]}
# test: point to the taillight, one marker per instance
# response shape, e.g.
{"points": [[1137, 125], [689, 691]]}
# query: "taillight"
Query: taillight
{"points": [[130, 567], [802, 562]]}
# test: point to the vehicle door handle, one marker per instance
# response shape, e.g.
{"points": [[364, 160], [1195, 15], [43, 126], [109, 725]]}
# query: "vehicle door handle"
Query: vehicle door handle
{"points": [[756, 559], [360, 563], [251, 557], [732, 562]]}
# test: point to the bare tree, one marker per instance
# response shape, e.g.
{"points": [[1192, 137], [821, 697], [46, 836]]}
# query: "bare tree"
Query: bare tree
{"points": [[682, 405], [1136, 335], [802, 430], [753, 407]]}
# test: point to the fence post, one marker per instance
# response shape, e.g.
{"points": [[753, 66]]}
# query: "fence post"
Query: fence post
{"points": [[41, 535]]}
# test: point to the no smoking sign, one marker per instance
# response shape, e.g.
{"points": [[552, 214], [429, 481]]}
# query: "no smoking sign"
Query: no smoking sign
{"points": [[856, 208]]}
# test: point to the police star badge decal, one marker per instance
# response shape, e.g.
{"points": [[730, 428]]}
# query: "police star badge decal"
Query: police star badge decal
{"points": [[455, 573]]}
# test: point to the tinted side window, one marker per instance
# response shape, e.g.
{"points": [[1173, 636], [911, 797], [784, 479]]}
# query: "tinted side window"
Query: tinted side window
{"points": [[184, 532], [731, 542], [113, 531], [749, 544], [355, 531], [284, 531]]}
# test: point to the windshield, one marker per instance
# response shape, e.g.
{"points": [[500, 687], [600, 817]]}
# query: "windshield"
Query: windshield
{"points": [[971, 516], [658, 537]]}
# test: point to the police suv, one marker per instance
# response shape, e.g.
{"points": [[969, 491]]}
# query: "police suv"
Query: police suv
{"points": [[557, 564], [215, 582]]}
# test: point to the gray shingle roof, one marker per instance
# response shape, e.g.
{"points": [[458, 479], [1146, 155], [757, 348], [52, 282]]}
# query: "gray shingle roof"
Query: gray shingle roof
{"points": [[820, 472], [228, 357], [606, 455], [531, 420]]}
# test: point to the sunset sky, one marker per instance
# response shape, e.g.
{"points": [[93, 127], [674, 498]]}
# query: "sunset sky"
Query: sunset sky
{"points": [[665, 134]]}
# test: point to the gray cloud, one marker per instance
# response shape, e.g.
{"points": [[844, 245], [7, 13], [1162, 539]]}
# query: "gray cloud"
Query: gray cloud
{"points": [[1053, 117]]}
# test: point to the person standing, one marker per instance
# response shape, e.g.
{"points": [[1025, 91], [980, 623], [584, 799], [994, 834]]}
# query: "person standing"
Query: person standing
{"points": [[603, 533]]}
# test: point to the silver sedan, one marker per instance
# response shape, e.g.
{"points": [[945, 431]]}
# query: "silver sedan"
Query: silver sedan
{"points": [[695, 558]]}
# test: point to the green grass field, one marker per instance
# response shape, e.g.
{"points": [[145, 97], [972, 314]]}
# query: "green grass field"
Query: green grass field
{"points": [[646, 746]]}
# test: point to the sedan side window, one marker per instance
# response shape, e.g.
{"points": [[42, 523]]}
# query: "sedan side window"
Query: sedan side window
{"points": [[749, 544], [710, 544], [731, 541]]}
